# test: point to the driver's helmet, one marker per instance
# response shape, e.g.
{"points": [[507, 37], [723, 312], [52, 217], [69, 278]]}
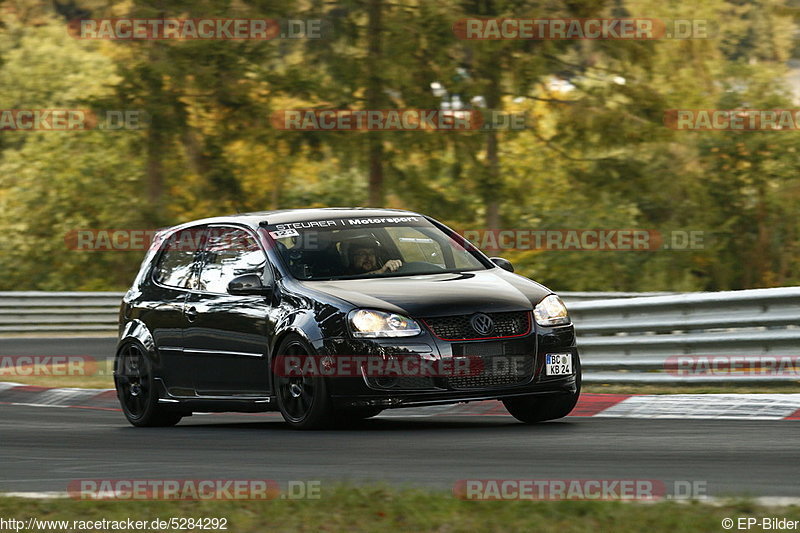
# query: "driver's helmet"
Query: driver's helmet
{"points": [[363, 243]]}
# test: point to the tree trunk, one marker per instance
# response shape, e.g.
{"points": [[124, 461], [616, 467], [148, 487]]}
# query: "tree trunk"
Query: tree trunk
{"points": [[154, 144], [154, 174], [374, 98], [493, 180], [491, 200]]}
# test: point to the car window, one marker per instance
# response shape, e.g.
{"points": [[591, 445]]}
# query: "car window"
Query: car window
{"points": [[362, 247], [229, 252], [175, 263], [414, 245]]}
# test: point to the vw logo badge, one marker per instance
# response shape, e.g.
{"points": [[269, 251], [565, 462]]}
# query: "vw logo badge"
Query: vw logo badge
{"points": [[482, 324]]}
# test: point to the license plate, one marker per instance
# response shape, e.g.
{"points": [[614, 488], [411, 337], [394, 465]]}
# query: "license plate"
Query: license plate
{"points": [[558, 364]]}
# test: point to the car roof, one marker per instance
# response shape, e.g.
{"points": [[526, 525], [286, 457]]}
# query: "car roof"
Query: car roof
{"points": [[284, 216]]}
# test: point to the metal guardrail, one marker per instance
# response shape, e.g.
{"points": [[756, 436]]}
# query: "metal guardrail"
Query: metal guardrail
{"points": [[59, 312], [570, 297], [640, 339], [623, 337], [97, 312]]}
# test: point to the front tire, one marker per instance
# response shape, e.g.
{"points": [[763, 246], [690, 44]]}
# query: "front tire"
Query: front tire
{"points": [[303, 400], [135, 384], [533, 409]]}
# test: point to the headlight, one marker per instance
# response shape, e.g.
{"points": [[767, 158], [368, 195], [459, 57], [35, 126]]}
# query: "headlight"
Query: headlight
{"points": [[551, 312], [367, 323]]}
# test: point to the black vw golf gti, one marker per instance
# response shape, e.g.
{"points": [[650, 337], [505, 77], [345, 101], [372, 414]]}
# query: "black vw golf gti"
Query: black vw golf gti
{"points": [[335, 314]]}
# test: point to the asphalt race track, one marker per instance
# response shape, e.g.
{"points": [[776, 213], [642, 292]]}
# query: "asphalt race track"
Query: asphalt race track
{"points": [[44, 448]]}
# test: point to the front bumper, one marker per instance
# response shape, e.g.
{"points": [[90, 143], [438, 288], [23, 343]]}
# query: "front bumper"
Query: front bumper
{"points": [[530, 349]]}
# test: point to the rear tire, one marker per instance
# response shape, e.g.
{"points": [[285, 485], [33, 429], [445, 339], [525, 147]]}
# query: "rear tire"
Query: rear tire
{"points": [[533, 409], [303, 400], [135, 384]]}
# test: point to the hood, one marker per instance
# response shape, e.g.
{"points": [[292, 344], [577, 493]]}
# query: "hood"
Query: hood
{"points": [[431, 295]]}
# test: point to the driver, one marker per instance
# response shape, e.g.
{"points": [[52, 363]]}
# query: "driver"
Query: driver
{"points": [[364, 260]]}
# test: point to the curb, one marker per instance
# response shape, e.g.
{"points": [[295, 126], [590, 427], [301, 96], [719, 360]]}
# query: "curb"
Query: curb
{"points": [[692, 406], [30, 395]]}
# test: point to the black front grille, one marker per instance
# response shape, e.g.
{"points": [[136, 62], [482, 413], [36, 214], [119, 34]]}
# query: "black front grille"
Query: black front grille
{"points": [[401, 383], [494, 364], [497, 371], [459, 327]]}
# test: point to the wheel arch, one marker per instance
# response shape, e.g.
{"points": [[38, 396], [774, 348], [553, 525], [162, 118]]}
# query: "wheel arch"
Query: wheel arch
{"points": [[136, 330], [304, 327]]}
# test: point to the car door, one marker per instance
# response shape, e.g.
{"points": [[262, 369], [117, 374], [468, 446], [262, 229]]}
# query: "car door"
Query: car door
{"points": [[226, 337], [174, 273]]}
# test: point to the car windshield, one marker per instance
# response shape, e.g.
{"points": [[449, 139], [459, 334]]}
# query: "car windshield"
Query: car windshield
{"points": [[353, 248]]}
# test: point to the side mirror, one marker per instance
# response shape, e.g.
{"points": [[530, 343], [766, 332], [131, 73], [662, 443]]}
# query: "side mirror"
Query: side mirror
{"points": [[505, 264], [248, 284]]}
